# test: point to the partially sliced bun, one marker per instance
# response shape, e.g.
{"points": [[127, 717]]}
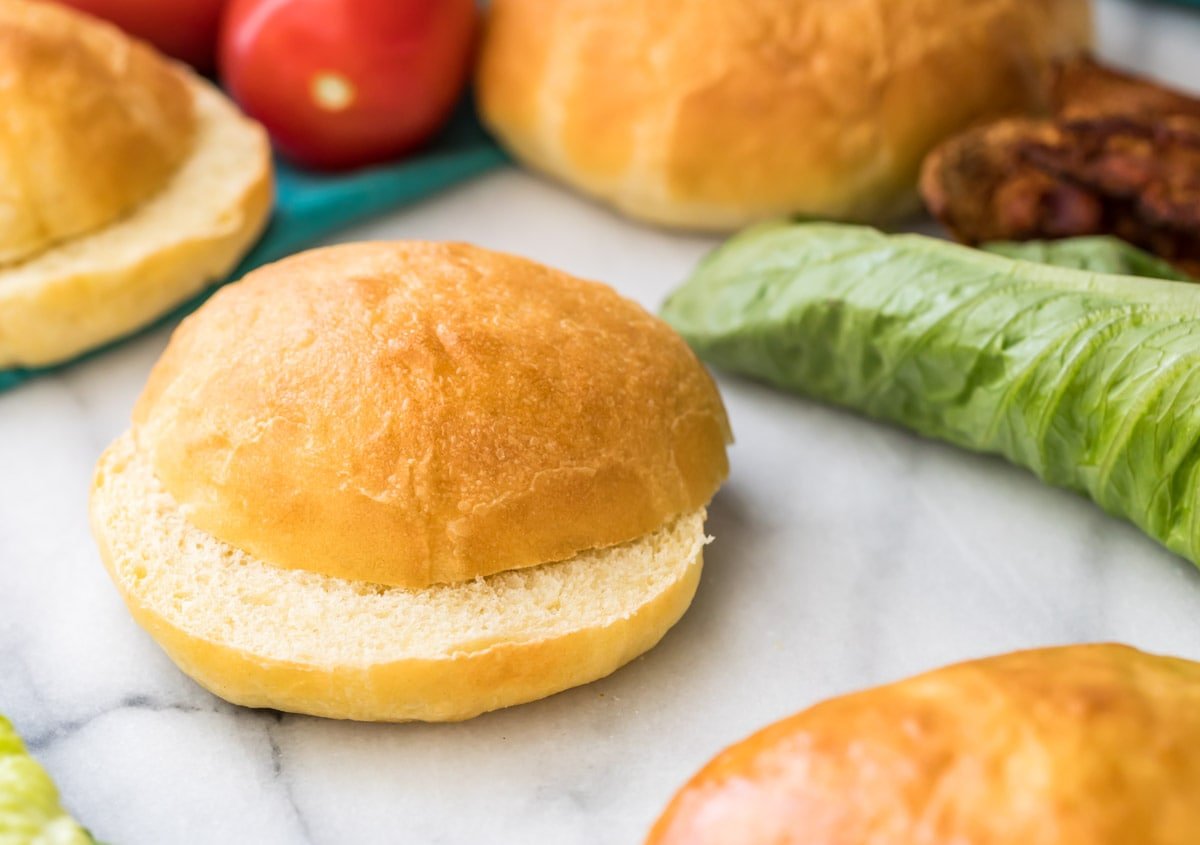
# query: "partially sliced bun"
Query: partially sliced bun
{"points": [[394, 481], [99, 286], [259, 635]]}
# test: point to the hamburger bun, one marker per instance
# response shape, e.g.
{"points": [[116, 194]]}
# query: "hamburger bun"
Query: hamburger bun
{"points": [[713, 115], [411, 481], [1080, 745], [126, 183]]}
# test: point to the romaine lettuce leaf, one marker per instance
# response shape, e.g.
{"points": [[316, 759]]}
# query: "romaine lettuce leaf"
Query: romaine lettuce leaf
{"points": [[30, 813], [1090, 380], [1098, 253]]}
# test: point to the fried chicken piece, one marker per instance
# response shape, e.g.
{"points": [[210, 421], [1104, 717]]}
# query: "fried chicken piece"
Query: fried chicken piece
{"points": [[982, 189], [1112, 162], [1151, 162]]}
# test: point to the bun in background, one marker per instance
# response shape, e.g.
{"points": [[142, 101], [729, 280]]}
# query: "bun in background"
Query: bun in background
{"points": [[712, 115]]}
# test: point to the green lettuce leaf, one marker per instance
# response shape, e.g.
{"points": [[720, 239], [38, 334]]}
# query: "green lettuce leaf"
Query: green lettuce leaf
{"points": [[30, 813], [1090, 380], [1099, 253]]}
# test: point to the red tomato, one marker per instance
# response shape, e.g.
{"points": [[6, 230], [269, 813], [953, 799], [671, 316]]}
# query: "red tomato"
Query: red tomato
{"points": [[185, 29], [341, 83]]}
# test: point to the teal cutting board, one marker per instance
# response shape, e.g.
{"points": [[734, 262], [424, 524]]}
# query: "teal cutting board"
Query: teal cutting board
{"points": [[310, 206]]}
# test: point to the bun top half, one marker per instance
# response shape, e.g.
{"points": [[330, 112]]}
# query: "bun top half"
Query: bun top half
{"points": [[712, 114], [419, 413], [94, 124], [1078, 745]]}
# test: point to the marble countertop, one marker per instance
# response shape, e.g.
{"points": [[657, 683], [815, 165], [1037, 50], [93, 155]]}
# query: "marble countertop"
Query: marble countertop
{"points": [[847, 554]]}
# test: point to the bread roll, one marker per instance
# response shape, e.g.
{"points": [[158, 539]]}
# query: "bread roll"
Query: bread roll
{"points": [[411, 481], [712, 114], [126, 183], [1082, 745]]}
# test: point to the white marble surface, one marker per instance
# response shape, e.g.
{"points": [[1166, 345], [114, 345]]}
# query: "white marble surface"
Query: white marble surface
{"points": [[847, 554]]}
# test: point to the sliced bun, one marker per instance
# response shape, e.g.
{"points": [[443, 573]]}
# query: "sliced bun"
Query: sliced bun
{"points": [[715, 114], [411, 481], [148, 250], [95, 123], [422, 413], [262, 636], [1081, 745]]}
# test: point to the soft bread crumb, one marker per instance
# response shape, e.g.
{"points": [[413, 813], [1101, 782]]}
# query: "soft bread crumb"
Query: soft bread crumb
{"points": [[215, 592]]}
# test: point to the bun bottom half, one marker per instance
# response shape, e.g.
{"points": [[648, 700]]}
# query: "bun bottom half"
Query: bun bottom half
{"points": [[88, 290], [262, 636]]}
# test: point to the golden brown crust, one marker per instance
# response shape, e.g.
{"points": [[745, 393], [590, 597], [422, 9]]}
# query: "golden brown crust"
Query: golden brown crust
{"points": [[1083, 745], [94, 124], [419, 413], [713, 115]]}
